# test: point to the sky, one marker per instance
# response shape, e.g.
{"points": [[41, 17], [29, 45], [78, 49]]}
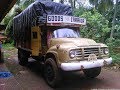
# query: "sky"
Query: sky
{"points": [[83, 2]]}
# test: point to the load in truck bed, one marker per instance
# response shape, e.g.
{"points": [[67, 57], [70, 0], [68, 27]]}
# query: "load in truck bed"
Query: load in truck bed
{"points": [[30, 15], [23, 22]]}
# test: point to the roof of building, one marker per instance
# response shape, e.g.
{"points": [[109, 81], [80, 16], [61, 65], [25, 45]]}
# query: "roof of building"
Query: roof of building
{"points": [[5, 6]]}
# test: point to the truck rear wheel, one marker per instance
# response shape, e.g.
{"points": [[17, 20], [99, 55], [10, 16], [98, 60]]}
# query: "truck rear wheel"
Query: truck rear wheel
{"points": [[51, 73], [22, 57], [92, 73]]}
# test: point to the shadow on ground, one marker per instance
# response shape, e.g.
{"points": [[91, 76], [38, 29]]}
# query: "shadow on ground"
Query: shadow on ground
{"points": [[71, 80]]}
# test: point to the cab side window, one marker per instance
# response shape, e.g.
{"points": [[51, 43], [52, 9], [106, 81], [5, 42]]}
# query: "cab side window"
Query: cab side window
{"points": [[34, 35]]}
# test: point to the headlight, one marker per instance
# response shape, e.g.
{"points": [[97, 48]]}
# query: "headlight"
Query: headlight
{"points": [[106, 51], [72, 53]]}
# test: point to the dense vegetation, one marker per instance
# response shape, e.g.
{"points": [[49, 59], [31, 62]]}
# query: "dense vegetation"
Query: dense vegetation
{"points": [[103, 21]]}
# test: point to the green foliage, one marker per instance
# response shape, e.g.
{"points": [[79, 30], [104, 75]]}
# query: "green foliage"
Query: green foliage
{"points": [[79, 12], [116, 58], [6, 20], [114, 48], [102, 6], [97, 26], [8, 46], [9, 30], [20, 5], [25, 3]]}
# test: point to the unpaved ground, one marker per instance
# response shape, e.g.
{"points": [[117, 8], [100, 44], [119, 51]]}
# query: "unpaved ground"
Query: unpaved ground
{"points": [[30, 77]]}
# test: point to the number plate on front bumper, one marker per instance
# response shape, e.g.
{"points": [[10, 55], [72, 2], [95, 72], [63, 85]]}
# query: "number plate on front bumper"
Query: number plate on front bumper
{"points": [[92, 57]]}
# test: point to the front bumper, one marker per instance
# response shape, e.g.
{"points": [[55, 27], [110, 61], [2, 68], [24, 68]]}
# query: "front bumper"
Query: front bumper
{"points": [[85, 64]]}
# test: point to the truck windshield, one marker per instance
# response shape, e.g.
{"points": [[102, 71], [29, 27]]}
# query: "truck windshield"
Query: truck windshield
{"points": [[65, 33]]}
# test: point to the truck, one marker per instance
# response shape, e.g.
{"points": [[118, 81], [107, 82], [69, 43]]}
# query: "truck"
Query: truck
{"points": [[48, 32]]}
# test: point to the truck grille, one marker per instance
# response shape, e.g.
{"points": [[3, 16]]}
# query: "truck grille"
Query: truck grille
{"points": [[88, 51], [84, 53], [78, 53]]}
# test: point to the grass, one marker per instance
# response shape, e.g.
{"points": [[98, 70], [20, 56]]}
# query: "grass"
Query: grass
{"points": [[8, 50], [8, 46], [116, 58]]}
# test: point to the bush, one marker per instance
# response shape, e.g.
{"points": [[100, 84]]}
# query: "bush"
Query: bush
{"points": [[96, 27], [8, 46], [114, 47]]}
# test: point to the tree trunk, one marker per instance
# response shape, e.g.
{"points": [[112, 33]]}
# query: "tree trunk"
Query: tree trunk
{"points": [[62, 1], [71, 2], [113, 21], [74, 4]]}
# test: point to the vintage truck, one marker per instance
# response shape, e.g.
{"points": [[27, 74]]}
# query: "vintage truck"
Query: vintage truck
{"points": [[47, 32]]}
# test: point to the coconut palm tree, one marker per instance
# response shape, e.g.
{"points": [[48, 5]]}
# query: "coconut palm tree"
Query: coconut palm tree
{"points": [[103, 6], [114, 17]]}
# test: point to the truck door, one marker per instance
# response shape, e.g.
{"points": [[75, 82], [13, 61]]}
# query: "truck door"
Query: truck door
{"points": [[35, 40]]}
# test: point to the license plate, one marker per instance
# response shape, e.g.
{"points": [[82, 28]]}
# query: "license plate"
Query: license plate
{"points": [[92, 57]]}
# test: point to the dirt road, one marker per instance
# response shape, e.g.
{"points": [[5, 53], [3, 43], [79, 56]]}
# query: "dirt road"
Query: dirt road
{"points": [[30, 78]]}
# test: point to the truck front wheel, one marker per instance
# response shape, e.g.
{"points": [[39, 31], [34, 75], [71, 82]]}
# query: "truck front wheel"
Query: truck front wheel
{"points": [[92, 73], [22, 57], [52, 74]]}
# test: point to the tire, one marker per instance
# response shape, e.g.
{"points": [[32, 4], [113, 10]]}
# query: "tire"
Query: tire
{"points": [[22, 57], [92, 73], [51, 73]]}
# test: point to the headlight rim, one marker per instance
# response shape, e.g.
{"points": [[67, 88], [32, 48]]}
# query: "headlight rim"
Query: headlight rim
{"points": [[71, 52], [106, 51]]}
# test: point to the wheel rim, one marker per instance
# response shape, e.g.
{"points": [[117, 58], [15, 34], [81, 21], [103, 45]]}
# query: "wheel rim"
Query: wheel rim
{"points": [[49, 73]]}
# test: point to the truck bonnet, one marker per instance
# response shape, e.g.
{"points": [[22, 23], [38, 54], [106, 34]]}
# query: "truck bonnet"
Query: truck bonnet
{"points": [[72, 42]]}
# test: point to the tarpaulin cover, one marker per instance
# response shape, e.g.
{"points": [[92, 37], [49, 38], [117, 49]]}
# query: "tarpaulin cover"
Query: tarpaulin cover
{"points": [[29, 17]]}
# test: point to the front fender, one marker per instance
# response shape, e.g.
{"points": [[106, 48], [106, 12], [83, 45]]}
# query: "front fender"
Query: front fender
{"points": [[53, 54], [61, 54]]}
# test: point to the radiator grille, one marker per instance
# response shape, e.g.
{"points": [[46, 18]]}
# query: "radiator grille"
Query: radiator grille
{"points": [[78, 53], [86, 52]]}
